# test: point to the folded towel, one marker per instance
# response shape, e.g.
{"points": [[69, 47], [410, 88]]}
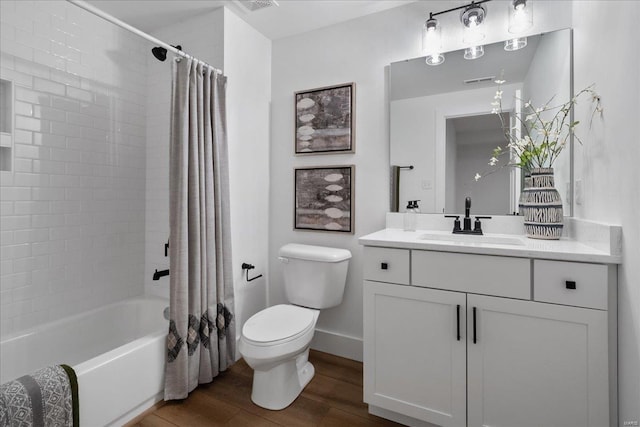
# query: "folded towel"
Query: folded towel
{"points": [[48, 397]]}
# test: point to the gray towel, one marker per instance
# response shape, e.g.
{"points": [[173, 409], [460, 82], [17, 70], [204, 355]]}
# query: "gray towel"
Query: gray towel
{"points": [[48, 397]]}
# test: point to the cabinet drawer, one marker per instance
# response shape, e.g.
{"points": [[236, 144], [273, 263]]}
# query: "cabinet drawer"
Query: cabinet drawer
{"points": [[553, 281], [477, 274], [386, 265]]}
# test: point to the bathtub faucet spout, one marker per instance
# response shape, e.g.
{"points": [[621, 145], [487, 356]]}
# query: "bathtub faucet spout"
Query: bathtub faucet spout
{"points": [[158, 274]]}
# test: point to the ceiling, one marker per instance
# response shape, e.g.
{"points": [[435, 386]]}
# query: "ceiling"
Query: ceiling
{"points": [[289, 18]]}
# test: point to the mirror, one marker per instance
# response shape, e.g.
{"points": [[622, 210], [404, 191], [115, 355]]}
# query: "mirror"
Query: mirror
{"points": [[441, 123]]}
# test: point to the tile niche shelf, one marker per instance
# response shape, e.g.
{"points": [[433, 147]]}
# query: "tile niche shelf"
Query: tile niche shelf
{"points": [[6, 124]]}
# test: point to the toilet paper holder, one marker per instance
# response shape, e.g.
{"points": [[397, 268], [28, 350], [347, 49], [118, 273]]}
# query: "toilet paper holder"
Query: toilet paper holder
{"points": [[247, 267]]}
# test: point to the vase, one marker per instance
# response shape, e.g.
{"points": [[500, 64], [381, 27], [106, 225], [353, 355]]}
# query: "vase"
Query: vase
{"points": [[541, 205]]}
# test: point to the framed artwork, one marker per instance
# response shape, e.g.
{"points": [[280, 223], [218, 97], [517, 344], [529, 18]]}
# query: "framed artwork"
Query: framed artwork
{"points": [[325, 120], [324, 198]]}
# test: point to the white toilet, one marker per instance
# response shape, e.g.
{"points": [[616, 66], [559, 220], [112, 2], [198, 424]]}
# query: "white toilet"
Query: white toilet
{"points": [[275, 341]]}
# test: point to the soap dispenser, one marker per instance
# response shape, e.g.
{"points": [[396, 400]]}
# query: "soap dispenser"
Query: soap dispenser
{"points": [[410, 216]]}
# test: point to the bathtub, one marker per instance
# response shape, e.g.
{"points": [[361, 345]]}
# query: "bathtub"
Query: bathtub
{"points": [[117, 351]]}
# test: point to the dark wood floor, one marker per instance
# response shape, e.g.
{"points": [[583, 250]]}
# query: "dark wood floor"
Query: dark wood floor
{"points": [[333, 398]]}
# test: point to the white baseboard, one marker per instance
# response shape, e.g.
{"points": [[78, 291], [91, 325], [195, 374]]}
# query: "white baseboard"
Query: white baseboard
{"points": [[399, 418], [337, 344]]}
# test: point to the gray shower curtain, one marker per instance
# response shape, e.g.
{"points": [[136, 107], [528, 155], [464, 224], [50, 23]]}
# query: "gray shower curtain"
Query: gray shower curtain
{"points": [[201, 338]]}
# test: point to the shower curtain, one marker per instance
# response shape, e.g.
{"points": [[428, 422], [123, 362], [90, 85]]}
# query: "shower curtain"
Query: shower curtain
{"points": [[201, 338]]}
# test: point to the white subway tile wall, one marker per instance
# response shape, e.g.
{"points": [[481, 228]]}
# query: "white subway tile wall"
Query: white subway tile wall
{"points": [[73, 208]]}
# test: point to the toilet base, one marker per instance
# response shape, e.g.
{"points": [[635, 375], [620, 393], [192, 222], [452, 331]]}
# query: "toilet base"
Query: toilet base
{"points": [[279, 386]]}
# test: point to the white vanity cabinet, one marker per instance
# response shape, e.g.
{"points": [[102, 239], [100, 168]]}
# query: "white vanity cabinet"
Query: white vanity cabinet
{"points": [[477, 340], [414, 363]]}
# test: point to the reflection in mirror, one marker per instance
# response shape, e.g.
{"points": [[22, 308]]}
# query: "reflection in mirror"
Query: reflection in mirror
{"points": [[468, 140], [441, 122]]}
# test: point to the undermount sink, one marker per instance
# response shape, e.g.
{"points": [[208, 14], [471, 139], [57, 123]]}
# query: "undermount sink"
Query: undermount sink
{"points": [[471, 238]]}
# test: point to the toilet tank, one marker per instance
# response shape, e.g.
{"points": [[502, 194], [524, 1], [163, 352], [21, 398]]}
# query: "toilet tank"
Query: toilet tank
{"points": [[314, 276]]}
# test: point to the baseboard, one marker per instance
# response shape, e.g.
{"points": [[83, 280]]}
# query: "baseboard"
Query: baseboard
{"points": [[399, 418], [337, 344]]}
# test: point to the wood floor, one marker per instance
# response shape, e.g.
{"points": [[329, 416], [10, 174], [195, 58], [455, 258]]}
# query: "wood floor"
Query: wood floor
{"points": [[333, 398]]}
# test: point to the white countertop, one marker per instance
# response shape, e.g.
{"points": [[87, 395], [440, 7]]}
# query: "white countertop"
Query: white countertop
{"points": [[562, 250]]}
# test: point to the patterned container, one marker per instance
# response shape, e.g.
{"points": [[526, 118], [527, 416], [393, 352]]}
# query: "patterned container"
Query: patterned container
{"points": [[541, 206]]}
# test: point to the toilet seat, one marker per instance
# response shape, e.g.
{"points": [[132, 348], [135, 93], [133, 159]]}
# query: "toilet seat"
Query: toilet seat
{"points": [[278, 324]]}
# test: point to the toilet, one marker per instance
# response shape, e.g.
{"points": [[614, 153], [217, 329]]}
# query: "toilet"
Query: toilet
{"points": [[275, 341]]}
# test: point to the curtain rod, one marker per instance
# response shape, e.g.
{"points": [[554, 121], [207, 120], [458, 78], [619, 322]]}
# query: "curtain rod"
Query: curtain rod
{"points": [[92, 9]]}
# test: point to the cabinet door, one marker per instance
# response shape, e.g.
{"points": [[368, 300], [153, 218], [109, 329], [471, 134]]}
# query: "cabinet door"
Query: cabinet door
{"points": [[536, 364], [414, 362]]}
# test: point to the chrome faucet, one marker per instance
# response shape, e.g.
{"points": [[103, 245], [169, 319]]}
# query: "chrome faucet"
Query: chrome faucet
{"points": [[477, 226]]}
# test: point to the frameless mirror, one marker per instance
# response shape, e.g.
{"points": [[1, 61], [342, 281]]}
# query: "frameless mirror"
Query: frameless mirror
{"points": [[441, 123]]}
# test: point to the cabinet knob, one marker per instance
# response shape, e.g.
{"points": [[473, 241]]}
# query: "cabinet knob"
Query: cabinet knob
{"points": [[570, 284], [384, 266]]}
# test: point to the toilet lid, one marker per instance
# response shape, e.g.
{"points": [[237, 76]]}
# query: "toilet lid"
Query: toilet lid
{"points": [[278, 323]]}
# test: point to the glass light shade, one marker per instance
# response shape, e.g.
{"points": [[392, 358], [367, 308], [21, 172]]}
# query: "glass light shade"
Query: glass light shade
{"points": [[432, 42], [515, 44], [434, 59], [472, 18], [473, 52], [520, 16]]}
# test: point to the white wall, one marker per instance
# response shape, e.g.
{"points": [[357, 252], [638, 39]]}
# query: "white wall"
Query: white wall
{"points": [[608, 161], [73, 206], [359, 51], [247, 64], [227, 42], [551, 59]]}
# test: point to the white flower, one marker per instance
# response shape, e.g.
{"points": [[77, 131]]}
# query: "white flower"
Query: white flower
{"points": [[498, 95], [477, 177], [529, 118], [539, 110], [496, 103], [527, 104], [495, 111], [492, 161], [500, 81]]}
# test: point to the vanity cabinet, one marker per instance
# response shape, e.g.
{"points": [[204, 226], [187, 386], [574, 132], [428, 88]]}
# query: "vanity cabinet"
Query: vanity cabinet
{"points": [[477, 340], [414, 362]]}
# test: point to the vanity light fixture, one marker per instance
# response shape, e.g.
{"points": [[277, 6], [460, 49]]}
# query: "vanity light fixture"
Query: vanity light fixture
{"points": [[515, 44], [520, 16], [472, 16], [473, 52], [432, 42], [520, 20]]}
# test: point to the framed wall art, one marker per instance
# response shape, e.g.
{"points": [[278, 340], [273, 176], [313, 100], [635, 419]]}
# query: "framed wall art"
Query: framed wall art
{"points": [[324, 198], [325, 120]]}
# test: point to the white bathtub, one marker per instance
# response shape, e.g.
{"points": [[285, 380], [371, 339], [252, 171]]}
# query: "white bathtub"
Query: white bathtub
{"points": [[117, 351]]}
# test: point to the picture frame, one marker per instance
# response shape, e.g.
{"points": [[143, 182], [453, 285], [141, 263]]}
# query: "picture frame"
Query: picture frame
{"points": [[324, 120], [324, 197]]}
